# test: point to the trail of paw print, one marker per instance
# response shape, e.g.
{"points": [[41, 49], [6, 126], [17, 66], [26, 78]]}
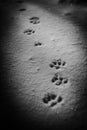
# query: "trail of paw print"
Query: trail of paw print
{"points": [[59, 80], [29, 31], [57, 63], [34, 20]]}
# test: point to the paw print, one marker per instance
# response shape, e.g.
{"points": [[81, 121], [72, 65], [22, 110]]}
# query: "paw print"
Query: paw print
{"points": [[29, 31], [48, 97], [34, 20], [59, 80], [51, 99], [57, 63]]}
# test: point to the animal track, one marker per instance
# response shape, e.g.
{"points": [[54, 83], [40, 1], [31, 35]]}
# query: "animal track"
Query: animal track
{"points": [[57, 63], [48, 97], [29, 31], [34, 20], [59, 80]]}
